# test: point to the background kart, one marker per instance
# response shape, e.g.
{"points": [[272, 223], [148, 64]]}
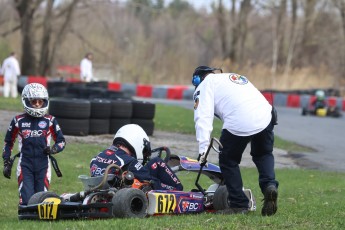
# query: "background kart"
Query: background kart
{"points": [[120, 195], [329, 111]]}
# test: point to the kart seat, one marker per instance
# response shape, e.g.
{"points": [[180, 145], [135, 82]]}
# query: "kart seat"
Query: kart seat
{"points": [[91, 182]]}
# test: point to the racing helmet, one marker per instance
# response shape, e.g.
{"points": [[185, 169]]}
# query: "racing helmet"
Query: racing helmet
{"points": [[34, 91], [320, 94], [135, 139], [200, 74]]}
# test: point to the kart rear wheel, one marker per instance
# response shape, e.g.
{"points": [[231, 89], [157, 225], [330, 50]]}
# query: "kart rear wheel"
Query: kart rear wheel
{"points": [[220, 198], [129, 203], [39, 197], [304, 111]]}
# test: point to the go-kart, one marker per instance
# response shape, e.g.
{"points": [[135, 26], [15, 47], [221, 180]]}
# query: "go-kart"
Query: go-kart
{"points": [[120, 195], [329, 111]]}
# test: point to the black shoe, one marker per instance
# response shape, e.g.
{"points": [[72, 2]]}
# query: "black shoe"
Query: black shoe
{"points": [[270, 201], [231, 211]]}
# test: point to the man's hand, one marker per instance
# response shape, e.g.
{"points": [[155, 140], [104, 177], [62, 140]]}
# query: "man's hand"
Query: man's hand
{"points": [[7, 168], [202, 159]]}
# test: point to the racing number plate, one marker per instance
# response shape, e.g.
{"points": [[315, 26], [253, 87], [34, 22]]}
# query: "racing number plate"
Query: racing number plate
{"points": [[165, 203], [48, 209]]}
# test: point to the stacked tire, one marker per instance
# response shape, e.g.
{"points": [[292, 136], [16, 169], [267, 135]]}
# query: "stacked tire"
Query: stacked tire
{"points": [[120, 115], [82, 117], [143, 114], [72, 115], [99, 121]]}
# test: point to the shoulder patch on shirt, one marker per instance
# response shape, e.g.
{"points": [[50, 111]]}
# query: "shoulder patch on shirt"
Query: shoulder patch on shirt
{"points": [[238, 79], [196, 99]]}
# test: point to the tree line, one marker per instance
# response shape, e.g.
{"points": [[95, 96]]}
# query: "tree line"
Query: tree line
{"points": [[156, 41]]}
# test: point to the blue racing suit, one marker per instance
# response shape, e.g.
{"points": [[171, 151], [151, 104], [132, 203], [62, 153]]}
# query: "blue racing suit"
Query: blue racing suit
{"points": [[34, 135], [156, 170]]}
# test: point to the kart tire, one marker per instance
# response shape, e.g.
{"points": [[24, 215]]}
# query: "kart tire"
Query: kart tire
{"points": [[130, 203], [121, 108], [70, 108], [100, 108], [143, 110], [304, 112], [220, 198], [146, 124], [98, 126], [39, 197], [74, 127]]}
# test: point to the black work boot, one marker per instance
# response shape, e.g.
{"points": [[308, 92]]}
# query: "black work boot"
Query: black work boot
{"points": [[270, 201]]}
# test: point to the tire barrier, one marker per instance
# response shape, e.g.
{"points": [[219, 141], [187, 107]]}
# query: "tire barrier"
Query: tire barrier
{"points": [[146, 124], [143, 110], [74, 127], [98, 126], [82, 117], [68, 88]]}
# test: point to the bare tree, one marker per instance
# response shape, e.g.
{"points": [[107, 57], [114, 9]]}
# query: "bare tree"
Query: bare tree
{"points": [[234, 32], [243, 26], [293, 37], [47, 58], [340, 4], [278, 36], [222, 28], [45, 46], [26, 10]]}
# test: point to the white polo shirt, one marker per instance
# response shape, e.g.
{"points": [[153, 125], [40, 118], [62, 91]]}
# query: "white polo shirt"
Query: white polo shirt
{"points": [[233, 99]]}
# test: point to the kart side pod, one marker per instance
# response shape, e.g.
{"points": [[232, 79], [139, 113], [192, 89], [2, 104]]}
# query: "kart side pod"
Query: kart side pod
{"points": [[174, 202]]}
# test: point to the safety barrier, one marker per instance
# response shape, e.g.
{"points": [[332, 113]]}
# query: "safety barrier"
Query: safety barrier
{"points": [[181, 92]]}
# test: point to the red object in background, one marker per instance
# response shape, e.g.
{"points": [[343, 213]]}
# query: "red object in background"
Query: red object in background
{"points": [[332, 101], [37, 79], [1, 80], [269, 97], [114, 86], [294, 100], [69, 69], [144, 90], [176, 92]]}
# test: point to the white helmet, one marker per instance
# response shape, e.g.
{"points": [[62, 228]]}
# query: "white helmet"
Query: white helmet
{"points": [[135, 139], [320, 94], [35, 91]]}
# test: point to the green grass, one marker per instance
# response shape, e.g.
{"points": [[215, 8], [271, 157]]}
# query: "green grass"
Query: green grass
{"points": [[307, 199]]}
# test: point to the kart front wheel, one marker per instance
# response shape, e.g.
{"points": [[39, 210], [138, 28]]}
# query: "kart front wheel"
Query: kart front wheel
{"points": [[39, 197], [129, 203], [220, 198]]}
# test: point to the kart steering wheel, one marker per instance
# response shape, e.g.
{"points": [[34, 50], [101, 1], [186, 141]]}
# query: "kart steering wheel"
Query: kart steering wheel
{"points": [[160, 151]]}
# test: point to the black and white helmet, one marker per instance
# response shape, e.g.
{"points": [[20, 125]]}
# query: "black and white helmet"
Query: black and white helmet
{"points": [[35, 91], [135, 139]]}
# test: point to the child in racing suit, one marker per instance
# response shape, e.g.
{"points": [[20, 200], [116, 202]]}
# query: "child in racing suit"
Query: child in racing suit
{"points": [[34, 130], [130, 146]]}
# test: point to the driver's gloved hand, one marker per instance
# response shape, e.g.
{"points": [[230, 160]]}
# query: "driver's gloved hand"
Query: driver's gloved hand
{"points": [[7, 168], [50, 151]]}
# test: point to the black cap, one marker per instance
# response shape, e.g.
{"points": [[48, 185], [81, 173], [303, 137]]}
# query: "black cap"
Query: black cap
{"points": [[203, 70]]}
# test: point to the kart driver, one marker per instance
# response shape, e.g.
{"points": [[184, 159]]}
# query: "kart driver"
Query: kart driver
{"points": [[130, 148], [34, 130], [320, 100]]}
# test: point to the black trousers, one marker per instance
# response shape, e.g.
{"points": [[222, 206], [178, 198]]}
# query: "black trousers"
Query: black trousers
{"points": [[231, 155]]}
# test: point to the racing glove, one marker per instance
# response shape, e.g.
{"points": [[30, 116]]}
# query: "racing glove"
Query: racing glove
{"points": [[50, 151], [202, 159], [7, 168]]}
